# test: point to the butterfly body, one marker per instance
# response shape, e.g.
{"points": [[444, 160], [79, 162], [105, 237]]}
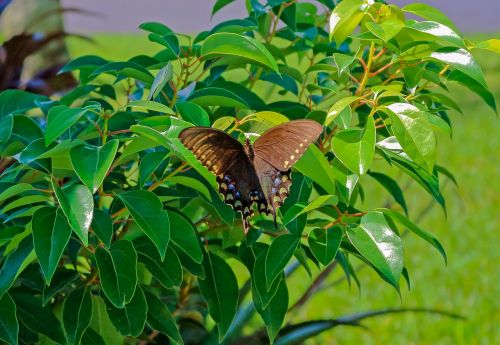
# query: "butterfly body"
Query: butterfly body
{"points": [[252, 174]]}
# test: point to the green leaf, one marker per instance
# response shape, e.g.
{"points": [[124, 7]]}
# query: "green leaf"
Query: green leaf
{"points": [[92, 163], [220, 290], [386, 29], [338, 108], [184, 236], [38, 319], [379, 245], [430, 182], [168, 272], [193, 113], [192, 183], [155, 27], [118, 272], [77, 314], [161, 79], [275, 311], [61, 279], [130, 320], [147, 211], [414, 133], [217, 96], [91, 337], [9, 326], [440, 31], [51, 234], [151, 105], [18, 101], [219, 4], [149, 164], [430, 13], [23, 201], [475, 86], [102, 225], [239, 46], [102, 325], [280, 252], [355, 147], [427, 236], [491, 44], [15, 262], [125, 68], [323, 200], [15, 190], [59, 119], [6, 125], [77, 204], [314, 165], [325, 243], [345, 18], [392, 187], [161, 319]]}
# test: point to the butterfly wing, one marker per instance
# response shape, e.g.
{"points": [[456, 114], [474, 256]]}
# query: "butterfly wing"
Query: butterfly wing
{"points": [[276, 151], [275, 185], [224, 156], [283, 145]]}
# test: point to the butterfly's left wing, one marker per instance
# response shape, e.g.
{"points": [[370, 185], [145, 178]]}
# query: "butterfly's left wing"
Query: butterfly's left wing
{"points": [[226, 158]]}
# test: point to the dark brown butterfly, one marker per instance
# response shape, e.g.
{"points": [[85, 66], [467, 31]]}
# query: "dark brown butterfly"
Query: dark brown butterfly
{"points": [[258, 173]]}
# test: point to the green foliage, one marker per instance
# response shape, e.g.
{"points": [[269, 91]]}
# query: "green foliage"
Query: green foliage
{"points": [[111, 228]]}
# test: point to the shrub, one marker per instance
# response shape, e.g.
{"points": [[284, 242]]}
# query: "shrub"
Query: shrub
{"points": [[112, 231]]}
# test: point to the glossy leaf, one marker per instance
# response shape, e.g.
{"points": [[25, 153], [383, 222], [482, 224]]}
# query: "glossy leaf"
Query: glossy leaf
{"points": [[430, 13], [9, 327], [427, 236], [92, 163], [280, 252], [147, 211], [355, 147], [338, 108], [77, 204], [344, 19], [102, 325], [414, 133], [234, 45], [77, 313], [118, 272], [220, 4], [51, 233], [220, 290], [323, 200], [325, 243], [379, 245], [6, 125], [130, 319]]}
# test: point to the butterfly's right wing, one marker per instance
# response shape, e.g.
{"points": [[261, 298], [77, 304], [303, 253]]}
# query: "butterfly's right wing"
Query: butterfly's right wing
{"points": [[275, 184], [226, 158]]}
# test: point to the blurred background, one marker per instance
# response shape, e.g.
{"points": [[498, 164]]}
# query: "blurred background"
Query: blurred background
{"points": [[468, 285]]}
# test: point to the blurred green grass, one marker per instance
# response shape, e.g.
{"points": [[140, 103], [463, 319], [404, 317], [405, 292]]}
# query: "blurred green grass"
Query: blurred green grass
{"points": [[467, 286]]}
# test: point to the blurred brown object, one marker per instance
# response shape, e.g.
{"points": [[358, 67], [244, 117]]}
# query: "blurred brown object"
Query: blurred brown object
{"points": [[32, 16]]}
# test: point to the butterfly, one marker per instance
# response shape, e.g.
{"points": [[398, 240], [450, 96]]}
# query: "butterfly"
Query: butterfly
{"points": [[252, 174]]}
